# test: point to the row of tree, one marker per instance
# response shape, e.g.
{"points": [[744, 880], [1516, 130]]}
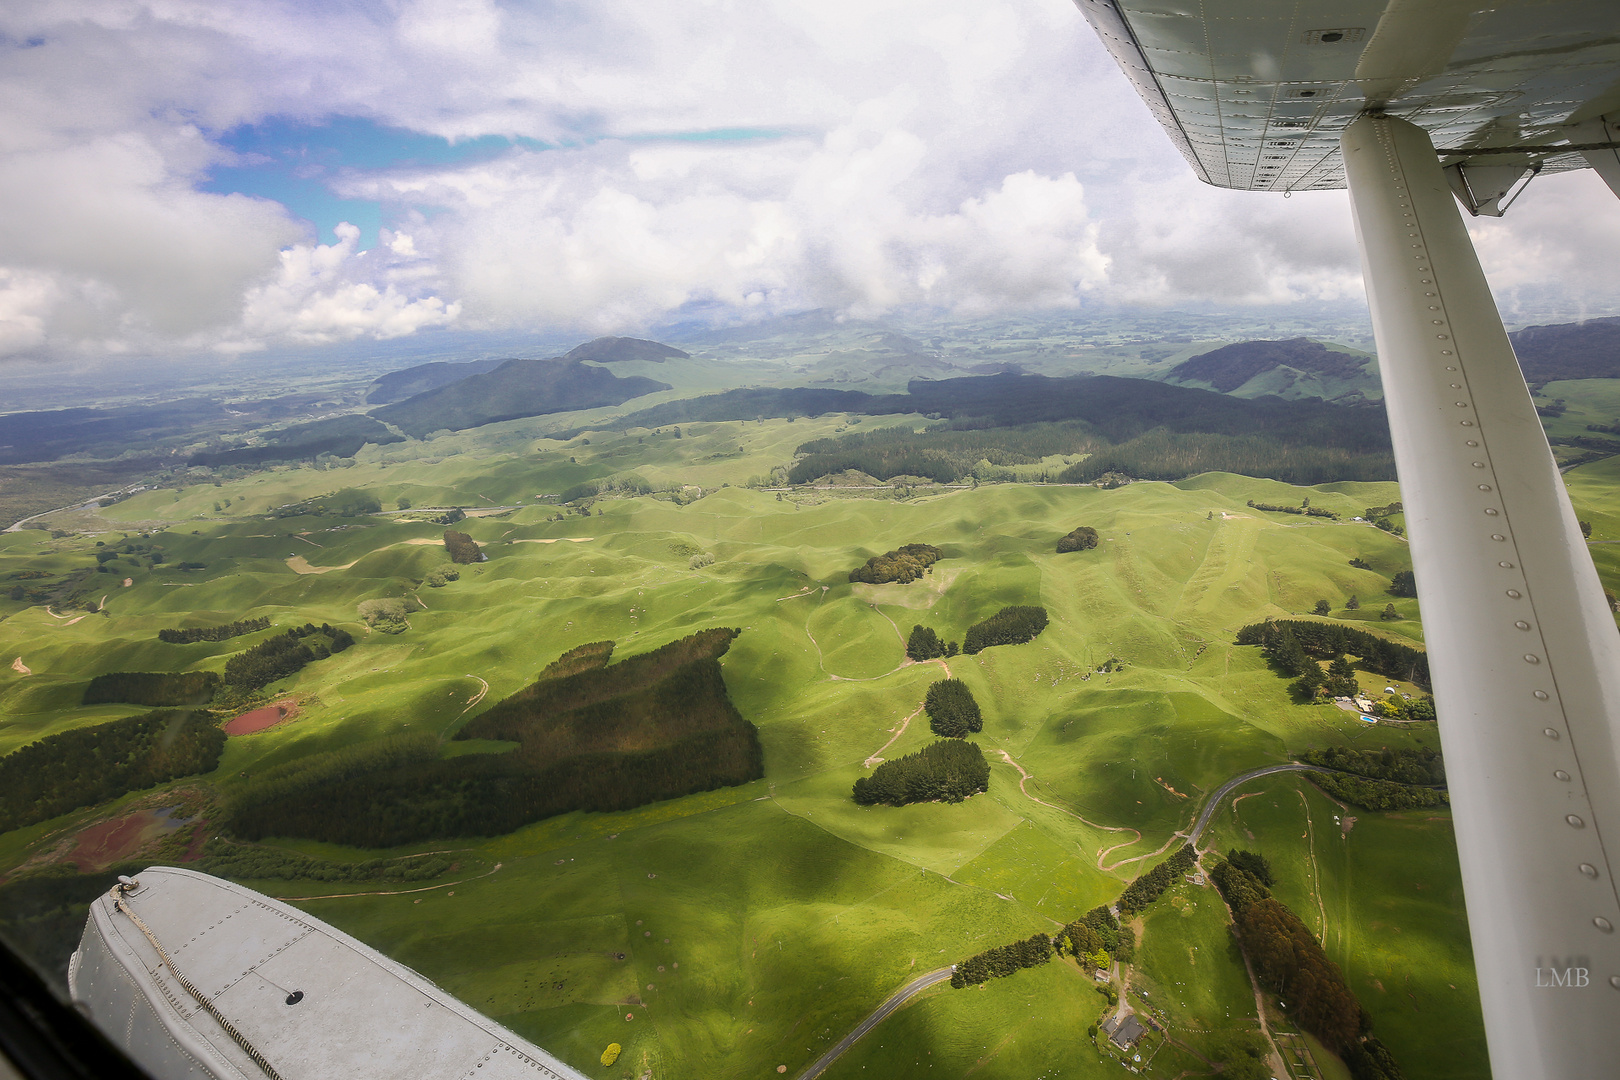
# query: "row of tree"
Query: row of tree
{"points": [[1009, 626], [243, 862], [1306, 509], [1082, 539], [950, 770], [925, 644], [952, 712], [1003, 960], [1097, 931], [1404, 766], [1152, 885], [90, 765], [284, 655], [1291, 643], [214, 633], [1379, 794], [155, 689], [903, 565], [1288, 959]]}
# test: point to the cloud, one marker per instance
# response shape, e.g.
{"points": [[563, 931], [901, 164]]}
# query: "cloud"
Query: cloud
{"points": [[326, 292], [965, 155]]}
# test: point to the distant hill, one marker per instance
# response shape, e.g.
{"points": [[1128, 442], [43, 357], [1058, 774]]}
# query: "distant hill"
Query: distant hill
{"points": [[1584, 350], [1295, 367], [406, 383], [515, 389], [340, 435], [613, 350]]}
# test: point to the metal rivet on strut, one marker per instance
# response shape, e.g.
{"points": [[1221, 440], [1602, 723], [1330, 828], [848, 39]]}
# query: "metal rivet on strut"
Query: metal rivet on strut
{"points": [[1484, 487], [1550, 733], [1505, 565], [1561, 774], [1541, 695], [1531, 658], [1589, 870], [1521, 624], [1514, 593], [1491, 511], [1603, 924], [1574, 822]]}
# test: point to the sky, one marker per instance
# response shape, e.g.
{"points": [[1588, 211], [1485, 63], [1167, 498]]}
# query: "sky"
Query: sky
{"points": [[184, 177]]}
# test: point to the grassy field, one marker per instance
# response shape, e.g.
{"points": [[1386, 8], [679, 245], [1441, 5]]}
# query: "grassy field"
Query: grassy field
{"points": [[790, 911]]}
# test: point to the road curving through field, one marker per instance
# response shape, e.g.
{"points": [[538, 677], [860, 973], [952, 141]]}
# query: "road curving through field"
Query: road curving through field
{"points": [[894, 1001]]}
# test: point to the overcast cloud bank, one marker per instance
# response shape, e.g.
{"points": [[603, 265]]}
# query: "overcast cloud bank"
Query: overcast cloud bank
{"points": [[769, 156]]}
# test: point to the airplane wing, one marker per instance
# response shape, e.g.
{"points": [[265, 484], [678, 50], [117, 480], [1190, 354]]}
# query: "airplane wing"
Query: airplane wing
{"points": [[1408, 104]]}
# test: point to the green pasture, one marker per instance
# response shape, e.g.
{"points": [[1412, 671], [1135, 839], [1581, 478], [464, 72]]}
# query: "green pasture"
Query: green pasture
{"points": [[783, 892]]}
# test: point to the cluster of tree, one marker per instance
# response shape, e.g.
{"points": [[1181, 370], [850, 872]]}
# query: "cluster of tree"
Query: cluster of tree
{"points": [[1306, 508], [388, 614], [1151, 885], [950, 770], [1381, 515], [924, 644], [1404, 583], [655, 726], [462, 548], [441, 576], [588, 657], [1097, 932], [1291, 643], [1003, 960], [346, 502], [214, 633], [902, 566], [1379, 794], [90, 765], [1082, 539], [1403, 766], [450, 516], [1360, 564], [1009, 626], [1289, 961], [625, 486], [284, 655], [952, 712], [241, 862], [1396, 707], [155, 688]]}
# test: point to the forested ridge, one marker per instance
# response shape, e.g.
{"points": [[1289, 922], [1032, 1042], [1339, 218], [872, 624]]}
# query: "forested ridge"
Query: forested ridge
{"points": [[1148, 430], [590, 737], [90, 765]]}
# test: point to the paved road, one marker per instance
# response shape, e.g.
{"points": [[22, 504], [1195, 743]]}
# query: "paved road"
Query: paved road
{"points": [[897, 999], [1215, 800]]}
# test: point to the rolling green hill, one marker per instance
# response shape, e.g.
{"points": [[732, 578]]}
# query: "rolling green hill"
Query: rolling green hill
{"points": [[1292, 368]]}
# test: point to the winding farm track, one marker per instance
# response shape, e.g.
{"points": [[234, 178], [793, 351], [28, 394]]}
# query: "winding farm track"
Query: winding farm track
{"points": [[1024, 777], [1221, 792], [895, 1000]]}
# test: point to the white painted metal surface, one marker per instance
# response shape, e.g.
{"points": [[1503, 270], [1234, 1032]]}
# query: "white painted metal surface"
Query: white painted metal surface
{"points": [[1255, 93], [1523, 649], [360, 1015]]}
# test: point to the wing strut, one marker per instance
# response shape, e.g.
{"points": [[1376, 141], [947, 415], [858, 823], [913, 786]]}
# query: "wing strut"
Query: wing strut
{"points": [[1522, 646]]}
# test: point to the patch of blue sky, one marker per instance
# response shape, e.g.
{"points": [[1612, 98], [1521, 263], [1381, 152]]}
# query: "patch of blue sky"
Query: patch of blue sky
{"points": [[294, 162]]}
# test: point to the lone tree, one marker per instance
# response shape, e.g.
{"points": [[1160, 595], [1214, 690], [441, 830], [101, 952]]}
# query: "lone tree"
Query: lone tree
{"points": [[1082, 539], [1352, 604], [1389, 612], [1403, 584], [1322, 607], [952, 712]]}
